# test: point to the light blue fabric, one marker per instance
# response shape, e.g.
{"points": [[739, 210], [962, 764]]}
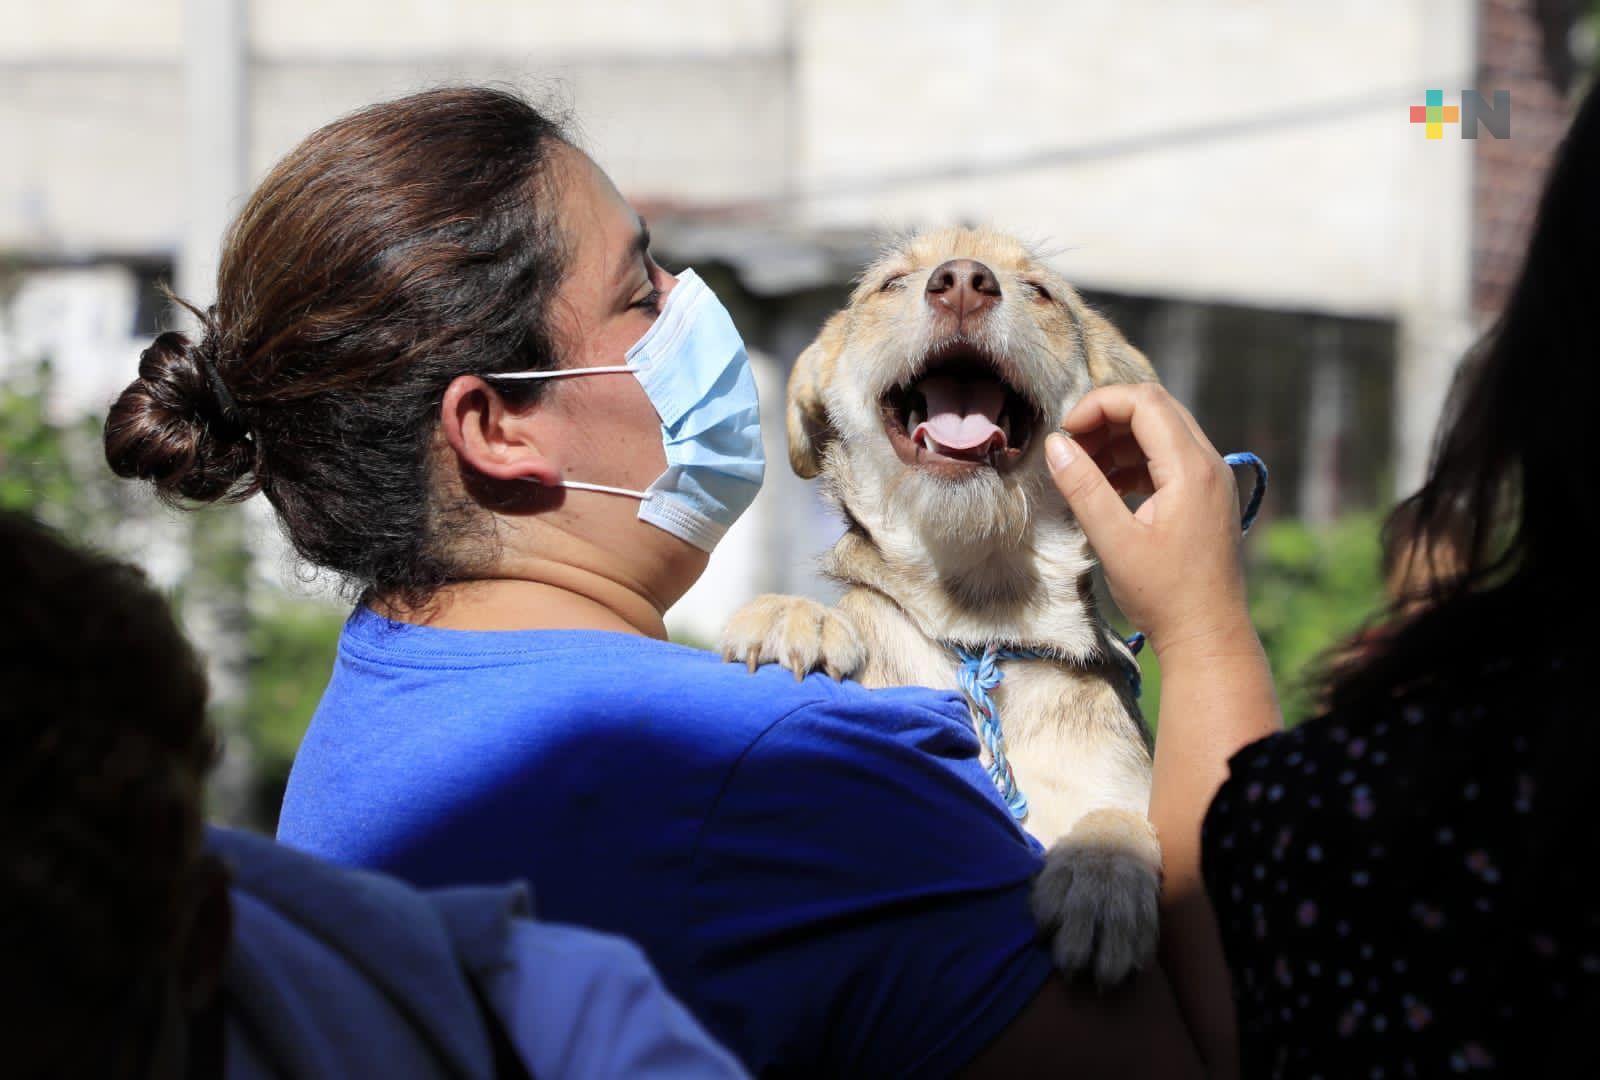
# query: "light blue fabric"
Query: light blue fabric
{"points": [[337, 972], [693, 365], [694, 369], [823, 874]]}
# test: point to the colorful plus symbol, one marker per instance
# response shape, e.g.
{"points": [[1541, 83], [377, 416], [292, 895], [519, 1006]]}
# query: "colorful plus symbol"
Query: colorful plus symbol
{"points": [[1435, 114]]}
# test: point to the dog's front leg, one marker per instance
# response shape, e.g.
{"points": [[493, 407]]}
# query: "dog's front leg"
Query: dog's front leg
{"points": [[801, 634], [1098, 896]]}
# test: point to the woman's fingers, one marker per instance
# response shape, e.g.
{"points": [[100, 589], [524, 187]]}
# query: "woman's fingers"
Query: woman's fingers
{"points": [[1173, 564], [1094, 441], [1156, 421], [1119, 453], [1135, 481], [1194, 425], [1093, 500]]}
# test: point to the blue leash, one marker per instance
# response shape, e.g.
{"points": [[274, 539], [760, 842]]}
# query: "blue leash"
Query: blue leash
{"points": [[980, 673]]}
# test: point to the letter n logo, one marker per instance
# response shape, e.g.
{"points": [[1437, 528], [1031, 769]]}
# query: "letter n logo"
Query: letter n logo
{"points": [[1474, 111]]}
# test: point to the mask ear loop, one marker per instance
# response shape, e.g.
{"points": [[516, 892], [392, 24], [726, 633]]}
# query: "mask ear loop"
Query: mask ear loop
{"points": [[561, 373], [605, 489], [610, 369]]}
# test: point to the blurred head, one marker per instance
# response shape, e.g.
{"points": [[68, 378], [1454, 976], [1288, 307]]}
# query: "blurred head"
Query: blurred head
{"points": [[379, 273], [1505, 515], [113, 921]]}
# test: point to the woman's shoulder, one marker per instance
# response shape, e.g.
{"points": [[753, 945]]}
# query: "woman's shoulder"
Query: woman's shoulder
{"points": [[601, 678], [1444, 716]]}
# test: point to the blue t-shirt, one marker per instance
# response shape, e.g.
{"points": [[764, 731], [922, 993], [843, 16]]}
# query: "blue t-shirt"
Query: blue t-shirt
{"points": [[824, 874], [335, 972]]}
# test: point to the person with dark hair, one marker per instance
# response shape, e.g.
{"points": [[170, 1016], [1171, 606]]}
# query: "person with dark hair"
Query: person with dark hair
{"points": [[442, 350], [1404, 885], [138, 943]]}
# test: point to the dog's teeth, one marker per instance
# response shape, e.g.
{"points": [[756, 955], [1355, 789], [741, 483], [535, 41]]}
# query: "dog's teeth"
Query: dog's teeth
{"points": [[927, 442], [1005, 426], [913, 418]]}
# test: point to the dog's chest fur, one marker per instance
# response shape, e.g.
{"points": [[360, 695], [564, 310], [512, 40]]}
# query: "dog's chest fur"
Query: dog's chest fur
{"points": [[1072, 731]]}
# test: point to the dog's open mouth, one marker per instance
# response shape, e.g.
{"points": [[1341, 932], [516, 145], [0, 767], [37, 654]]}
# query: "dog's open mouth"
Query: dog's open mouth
{"points": [[959, 414]]}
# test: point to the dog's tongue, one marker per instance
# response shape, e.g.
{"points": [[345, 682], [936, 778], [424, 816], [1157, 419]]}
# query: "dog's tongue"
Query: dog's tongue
{"points": [[961, 415]]}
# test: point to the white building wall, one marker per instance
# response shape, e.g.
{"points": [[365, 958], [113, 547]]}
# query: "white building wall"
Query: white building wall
{"points": [[1248, 150]]}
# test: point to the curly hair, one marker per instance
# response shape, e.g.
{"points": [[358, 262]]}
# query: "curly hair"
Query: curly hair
{"points": [[104, 749]]}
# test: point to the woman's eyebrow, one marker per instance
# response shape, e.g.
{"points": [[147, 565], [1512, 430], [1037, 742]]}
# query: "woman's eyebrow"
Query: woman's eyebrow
{"points": [[637, 248]]}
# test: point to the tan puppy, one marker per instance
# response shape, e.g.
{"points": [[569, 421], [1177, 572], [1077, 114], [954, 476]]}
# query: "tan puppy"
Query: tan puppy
{"points": [[923, 405]]}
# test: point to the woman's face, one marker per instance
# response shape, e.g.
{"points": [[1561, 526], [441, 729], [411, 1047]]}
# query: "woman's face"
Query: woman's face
{"points": [[602, 428]]}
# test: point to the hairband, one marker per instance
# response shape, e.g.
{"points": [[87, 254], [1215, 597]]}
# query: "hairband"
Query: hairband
{"points": [[226, 402]]}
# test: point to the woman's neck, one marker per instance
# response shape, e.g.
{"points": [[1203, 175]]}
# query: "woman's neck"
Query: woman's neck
{"points": [[537, 595]]}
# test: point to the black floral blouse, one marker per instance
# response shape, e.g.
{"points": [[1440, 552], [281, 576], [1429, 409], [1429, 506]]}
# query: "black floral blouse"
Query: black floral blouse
{"points": [[1368, 882]]}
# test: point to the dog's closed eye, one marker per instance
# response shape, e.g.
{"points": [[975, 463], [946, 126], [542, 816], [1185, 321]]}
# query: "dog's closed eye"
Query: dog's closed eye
{"points": [[894, 281], [1039, 291]]}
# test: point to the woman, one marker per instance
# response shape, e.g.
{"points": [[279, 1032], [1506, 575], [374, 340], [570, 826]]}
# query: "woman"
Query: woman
{"points": [[1403, 884], [443, 351]]}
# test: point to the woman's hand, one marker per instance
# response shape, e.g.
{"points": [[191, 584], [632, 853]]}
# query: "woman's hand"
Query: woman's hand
{"points": [[1173, 566], [1174, 569]]}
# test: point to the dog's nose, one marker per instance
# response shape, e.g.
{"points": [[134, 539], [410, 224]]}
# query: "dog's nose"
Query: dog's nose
{"points": [[962, 287]]}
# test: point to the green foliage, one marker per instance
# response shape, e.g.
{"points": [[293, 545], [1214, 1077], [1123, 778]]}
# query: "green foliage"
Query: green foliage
{"points": [[1310, 589], [54, 472], [292, 646]]}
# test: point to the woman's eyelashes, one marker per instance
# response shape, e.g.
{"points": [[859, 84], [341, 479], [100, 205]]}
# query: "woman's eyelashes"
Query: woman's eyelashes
{"points": [[651, 301]]}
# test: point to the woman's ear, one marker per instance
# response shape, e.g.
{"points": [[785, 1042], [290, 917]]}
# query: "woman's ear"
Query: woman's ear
{"points": [[490, 437], [808, 424]]}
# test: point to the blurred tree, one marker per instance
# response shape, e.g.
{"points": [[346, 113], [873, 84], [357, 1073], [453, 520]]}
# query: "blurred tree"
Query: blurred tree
{"points": [[54, 471], [214, 599], [268, 652], [292, 647], [1310, 590]]}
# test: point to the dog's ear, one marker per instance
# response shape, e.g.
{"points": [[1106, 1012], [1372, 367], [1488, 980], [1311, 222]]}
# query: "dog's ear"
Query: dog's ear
{"points": [[1111, 358], [809, 427]]}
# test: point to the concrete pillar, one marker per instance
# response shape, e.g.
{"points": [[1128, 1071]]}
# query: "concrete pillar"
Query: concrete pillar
{"points": [[1436, 324], [1325, 426], [1177, 347], [215, 591], [216, 136]]}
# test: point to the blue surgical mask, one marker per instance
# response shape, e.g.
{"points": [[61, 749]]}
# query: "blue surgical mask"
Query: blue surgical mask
{"points": [[694, 368]]}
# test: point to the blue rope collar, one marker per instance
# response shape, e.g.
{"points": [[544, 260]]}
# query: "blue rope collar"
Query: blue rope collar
{"points": [[979, 672]]}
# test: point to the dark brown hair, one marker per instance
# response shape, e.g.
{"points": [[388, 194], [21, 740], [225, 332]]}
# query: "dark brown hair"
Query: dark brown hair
{"points": [[1492, 563], [104, 748], [1497, 548], [390, 252]]}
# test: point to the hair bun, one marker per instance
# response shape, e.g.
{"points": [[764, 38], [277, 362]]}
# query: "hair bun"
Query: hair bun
{"points": [[178, 428]]}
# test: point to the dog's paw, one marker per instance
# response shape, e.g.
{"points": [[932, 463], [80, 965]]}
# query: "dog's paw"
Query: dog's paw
{"points": [[802, 635], [1097, 897]]}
